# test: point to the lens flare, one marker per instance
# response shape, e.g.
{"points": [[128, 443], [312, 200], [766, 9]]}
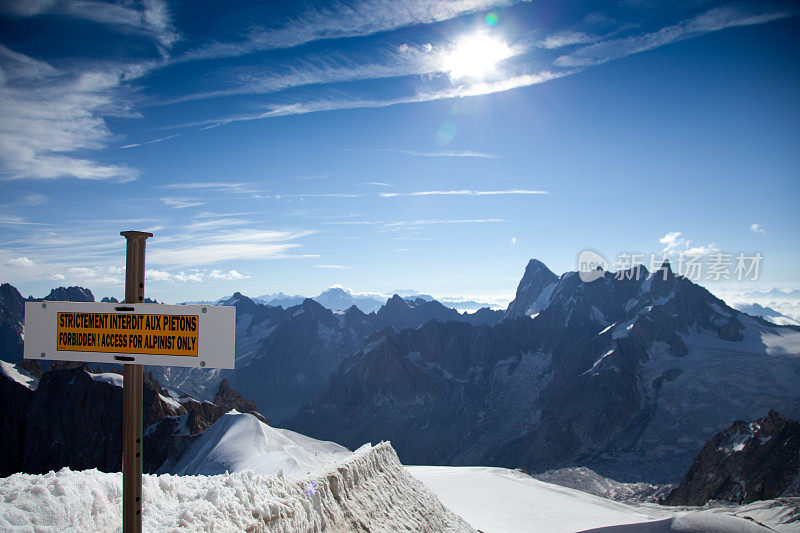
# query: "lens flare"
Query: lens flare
{"points": [[446, 133], [491, 19]]}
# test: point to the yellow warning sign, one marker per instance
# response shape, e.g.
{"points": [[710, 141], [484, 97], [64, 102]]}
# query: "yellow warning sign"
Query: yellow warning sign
{"points": [[128, 333]]}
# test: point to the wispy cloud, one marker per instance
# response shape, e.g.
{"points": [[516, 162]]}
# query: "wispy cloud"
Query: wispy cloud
{"points": [[566, 38], [338, 267], [180, 203], [213, 186], [162, 139], [428, 61], [712, 20], [153, 19], [460, 153], [12, 220], [379, 184], [321, 69], [459, 91], [48, 114], [428, 222], [217, 223], [342, 20], [223, 246], [464, 192], [756, 228]]}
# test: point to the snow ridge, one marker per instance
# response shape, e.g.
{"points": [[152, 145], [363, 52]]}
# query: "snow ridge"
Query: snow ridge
{"points": [[371, 491]]}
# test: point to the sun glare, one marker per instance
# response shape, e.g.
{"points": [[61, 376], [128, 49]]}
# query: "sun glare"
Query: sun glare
{"points": [[475, 56]]}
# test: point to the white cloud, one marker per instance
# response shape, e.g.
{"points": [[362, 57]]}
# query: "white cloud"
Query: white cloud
{"points": [[332, 266], [156, 275], [675, 243], [184, 277], [58, 277], [513, 240], [672, 241], [96, 275], [756, 228], [229, 275], [20, 262]]}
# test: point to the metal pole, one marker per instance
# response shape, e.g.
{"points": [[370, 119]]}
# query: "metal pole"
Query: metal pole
{"points": [[132, 394]]}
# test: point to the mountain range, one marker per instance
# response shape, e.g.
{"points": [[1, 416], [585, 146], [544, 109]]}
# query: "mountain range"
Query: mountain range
{"points": [[629, 375]]}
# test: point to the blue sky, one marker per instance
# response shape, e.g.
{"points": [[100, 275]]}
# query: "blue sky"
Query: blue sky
{"points": [[434, 147]]}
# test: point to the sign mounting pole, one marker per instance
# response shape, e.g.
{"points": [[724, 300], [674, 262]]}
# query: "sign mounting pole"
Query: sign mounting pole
{"points": [[132, 394]]}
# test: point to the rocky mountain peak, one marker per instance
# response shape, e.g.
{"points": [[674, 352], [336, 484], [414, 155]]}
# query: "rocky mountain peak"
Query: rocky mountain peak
{"points": [[749, 461], [397, 302], [533, 291], [70, 294]]}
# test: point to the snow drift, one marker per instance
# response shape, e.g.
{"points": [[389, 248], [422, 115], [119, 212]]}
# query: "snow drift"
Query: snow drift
{"points": [[369, 491]]}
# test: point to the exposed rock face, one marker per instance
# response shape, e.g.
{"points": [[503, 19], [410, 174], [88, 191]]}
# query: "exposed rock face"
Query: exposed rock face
{"points": [[12, 316], [73, 418], [228, 399], [534, 290], [15, 401], [752, 461], [400, 314]]}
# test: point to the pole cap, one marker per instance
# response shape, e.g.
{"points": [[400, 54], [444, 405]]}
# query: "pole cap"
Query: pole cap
{"points": [[135, 234]]}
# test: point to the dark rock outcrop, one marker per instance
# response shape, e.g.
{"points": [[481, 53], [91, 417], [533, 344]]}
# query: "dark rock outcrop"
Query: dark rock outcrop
{"points": [[73, 418], [759, 460], [12, 316], [15, 402]]}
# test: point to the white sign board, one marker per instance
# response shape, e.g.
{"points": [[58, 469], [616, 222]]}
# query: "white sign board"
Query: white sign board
{"points": [[145, 334]]}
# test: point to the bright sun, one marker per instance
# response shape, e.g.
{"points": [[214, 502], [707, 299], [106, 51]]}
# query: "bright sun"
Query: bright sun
{"points": [[474, 56]]}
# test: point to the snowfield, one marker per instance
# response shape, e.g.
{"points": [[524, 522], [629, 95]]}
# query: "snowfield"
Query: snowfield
{"points": [[498, 500], [369, 491]]}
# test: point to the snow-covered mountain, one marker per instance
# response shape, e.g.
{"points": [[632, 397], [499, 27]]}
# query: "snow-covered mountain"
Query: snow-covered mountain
{"points": [[285, 356], [629, 374], [339, 299], [767, 313], [280, 299]]}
